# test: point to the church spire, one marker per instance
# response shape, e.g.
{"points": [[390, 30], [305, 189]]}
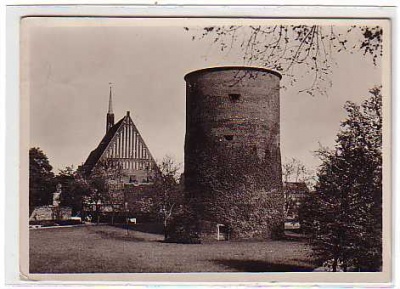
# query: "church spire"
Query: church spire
{"points": [[110, 110], [110, 113]]}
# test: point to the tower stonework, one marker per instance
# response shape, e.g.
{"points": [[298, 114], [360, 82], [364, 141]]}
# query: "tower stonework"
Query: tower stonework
{"points": [[233, 175]]}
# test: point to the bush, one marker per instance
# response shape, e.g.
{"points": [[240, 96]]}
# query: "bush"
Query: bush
{"points": [[183, 227]]}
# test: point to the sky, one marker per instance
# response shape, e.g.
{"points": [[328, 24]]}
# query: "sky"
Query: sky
{"points": [[70, 63]]}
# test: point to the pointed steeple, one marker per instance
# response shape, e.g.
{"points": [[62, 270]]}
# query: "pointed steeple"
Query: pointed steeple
{"points": [[110, 109], [110, 113]]}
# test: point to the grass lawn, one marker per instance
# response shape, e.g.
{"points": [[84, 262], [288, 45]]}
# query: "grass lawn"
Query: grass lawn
{"points": [[107, 249]]}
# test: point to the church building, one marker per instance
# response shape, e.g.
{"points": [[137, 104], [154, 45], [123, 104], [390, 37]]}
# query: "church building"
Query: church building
{"points": [[122, 146]]}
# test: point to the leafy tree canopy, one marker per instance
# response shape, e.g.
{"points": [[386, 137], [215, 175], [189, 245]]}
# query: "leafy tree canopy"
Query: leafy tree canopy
{"points": [[41, 179], [344, 215], [74, 189]]}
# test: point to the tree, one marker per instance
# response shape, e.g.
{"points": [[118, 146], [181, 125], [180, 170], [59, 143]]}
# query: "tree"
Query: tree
{"points": [[74, 190], [289, 49], [293, 170], [105, 187], [344, 216], [41, 179], [167, 191]]}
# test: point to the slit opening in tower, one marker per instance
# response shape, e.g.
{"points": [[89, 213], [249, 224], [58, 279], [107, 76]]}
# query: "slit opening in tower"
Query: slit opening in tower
{"points": [[234, 97], [228, 137]]}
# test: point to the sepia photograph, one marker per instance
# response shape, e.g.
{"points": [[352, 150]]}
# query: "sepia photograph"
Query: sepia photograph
{"points": [[206, 145]]}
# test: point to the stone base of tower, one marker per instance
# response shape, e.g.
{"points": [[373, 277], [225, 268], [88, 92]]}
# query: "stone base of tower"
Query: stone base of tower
{"points": [[212, 231], [257, 218], [208, 231]]}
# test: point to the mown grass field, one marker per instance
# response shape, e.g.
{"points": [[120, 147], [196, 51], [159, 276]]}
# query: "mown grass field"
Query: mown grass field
{"points": [[107, 249]]}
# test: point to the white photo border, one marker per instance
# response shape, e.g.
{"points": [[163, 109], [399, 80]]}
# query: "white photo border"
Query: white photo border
{"points": [[13, 151]]}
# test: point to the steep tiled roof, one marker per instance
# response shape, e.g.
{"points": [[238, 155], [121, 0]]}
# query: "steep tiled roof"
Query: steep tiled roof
{"points": [[97, 153]]}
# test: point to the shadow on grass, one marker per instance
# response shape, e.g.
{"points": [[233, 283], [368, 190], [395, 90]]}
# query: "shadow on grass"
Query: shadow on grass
{"points": [[121, 237], [294, 235], [261, 266], [151, 228]]}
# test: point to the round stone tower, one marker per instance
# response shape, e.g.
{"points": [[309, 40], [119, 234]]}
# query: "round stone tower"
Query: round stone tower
{"points": [[233, 175]]}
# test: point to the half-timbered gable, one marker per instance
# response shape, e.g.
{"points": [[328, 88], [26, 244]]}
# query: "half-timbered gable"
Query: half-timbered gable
{"points": [[123, 147]]}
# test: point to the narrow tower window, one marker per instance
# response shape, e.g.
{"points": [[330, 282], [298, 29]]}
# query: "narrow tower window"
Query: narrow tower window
{"points": [[234, 97], [228, 137]]}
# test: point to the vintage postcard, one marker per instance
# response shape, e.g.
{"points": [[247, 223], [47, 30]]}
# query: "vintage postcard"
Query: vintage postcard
{"points": [[195, 146]]}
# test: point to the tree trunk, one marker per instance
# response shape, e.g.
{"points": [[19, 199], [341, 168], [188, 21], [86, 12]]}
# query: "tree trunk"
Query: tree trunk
{"points": [[334, 265], [165, 229], [98, 215], [112, 216], [344, 264]]}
